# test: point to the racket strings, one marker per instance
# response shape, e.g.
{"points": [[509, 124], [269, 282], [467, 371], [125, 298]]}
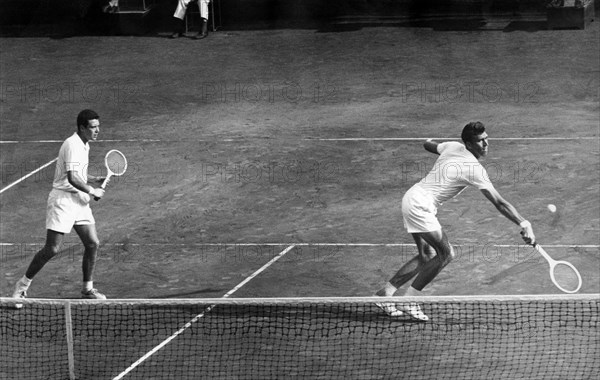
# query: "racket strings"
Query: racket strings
{"points": [[116, 162], [566, 277]]}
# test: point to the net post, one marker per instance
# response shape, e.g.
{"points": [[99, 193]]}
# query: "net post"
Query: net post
{"points": [[69, 331]]}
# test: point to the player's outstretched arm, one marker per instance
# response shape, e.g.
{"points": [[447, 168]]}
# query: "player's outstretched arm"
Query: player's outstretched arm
{"points": [[509, 211], [431, 146]]}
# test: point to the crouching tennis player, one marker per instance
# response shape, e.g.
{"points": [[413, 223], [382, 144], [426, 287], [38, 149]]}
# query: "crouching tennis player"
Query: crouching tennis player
{"points": [[457, 167], [68, 206]]}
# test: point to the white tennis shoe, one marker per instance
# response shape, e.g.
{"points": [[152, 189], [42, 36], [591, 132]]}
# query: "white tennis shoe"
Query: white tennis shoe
{"points": [[413, 310], [19, 293], [92, 294], [389, 309]]}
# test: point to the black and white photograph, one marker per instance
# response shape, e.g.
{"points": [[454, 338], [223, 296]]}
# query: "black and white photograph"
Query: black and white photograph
{"points": [[299, 189]]}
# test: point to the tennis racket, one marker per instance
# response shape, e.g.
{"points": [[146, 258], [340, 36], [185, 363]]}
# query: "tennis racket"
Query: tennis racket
{"points": [[116, 165], [563, 274]]}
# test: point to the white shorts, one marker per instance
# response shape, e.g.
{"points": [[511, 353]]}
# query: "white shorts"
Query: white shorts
{"points": [[65, 210], [419, 211]]}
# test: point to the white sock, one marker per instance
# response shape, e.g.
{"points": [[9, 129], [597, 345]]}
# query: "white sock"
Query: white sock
{"points": [[388, 290], [412, 292], [25, 281], [88, 285]]}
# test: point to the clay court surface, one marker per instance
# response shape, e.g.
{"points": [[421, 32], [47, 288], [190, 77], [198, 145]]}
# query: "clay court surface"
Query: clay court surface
{"points": [[249, 142]]}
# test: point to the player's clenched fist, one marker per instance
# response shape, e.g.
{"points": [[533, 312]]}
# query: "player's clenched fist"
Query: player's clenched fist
{"points": [[96, 193], [527, 232]]}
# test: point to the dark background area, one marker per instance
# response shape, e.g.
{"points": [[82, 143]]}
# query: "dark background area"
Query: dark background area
{"points": [[55, 17]]}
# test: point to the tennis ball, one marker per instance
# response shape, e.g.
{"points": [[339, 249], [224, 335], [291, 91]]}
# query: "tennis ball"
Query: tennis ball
{"points": [[552, 208]]}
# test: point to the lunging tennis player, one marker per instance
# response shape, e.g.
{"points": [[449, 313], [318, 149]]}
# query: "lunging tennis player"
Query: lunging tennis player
{"points": [[68, 206], [457, 167]]}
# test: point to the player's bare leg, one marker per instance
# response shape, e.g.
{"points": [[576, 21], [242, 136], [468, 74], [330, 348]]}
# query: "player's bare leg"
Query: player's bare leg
{"points": [[405, 274], [412, 267], [89, 237], [50, 249], [444, 254]]}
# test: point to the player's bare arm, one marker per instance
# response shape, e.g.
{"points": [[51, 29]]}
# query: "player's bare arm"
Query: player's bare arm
{"points": [[510, 212], [431, 146], [98, 180], [77, 182], [95, 179]]}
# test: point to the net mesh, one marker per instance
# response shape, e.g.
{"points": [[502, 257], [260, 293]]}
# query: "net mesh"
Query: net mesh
{"points": [[116, 162], [32, 348], [555, 338]]}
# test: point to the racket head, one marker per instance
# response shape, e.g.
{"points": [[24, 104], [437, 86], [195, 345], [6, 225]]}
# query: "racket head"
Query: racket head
{"points": [[116, 163], [565, 276]]}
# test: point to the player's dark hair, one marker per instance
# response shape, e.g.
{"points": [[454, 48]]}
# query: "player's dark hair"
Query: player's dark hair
{"points": [[473, 129], [85, 116]]}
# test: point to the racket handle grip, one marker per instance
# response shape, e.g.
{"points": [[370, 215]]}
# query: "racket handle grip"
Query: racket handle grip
{"points": [[105, 182]]}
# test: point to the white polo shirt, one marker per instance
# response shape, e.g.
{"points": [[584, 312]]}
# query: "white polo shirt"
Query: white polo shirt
{"points": [[73, 156], [454, 170]]}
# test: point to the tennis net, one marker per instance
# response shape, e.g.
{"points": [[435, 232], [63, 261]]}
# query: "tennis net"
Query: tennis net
{"points": [[467, 337]]}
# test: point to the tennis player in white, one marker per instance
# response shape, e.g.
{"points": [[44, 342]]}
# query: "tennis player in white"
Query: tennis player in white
{"points": [[68, 206], [457, 167]]}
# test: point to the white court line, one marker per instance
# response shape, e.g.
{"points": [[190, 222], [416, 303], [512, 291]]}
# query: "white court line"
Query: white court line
{"points": [[61, 141], [444, 138], [29, 142], [558, 138], [197, 317], [308, 245], [27, 176]]}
